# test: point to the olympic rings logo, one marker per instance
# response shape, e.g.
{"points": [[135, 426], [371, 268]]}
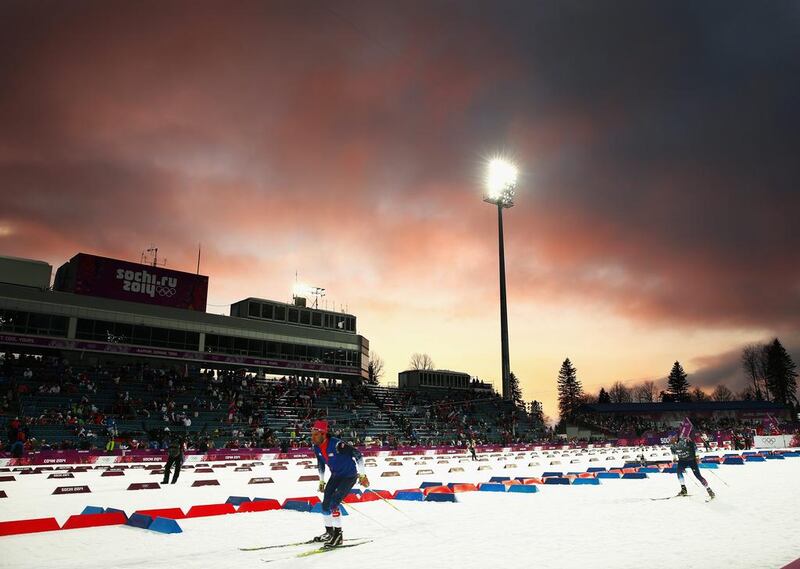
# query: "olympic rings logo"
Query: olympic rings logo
{"points": [[165, 291]]}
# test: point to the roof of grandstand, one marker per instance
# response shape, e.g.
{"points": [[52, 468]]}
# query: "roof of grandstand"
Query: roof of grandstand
{"points": [[632, 408]]}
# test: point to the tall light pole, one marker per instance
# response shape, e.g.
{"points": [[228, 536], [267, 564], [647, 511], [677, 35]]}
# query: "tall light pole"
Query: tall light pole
{"points": [[501, 183]]}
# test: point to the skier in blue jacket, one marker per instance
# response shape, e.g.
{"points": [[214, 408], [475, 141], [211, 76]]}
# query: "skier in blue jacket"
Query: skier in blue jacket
{"points": [[347, 467]]}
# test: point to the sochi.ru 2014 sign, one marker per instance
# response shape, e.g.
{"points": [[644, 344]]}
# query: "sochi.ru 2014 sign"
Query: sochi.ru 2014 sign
{"points": [[72, 490], [113, 278]]}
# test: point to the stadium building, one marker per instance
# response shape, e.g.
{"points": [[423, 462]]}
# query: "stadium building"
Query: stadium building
{"points": [[112, 307]]}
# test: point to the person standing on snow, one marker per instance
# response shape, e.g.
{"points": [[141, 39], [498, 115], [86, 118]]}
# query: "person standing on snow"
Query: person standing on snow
{"points": [[347, 467], [686, 451]]}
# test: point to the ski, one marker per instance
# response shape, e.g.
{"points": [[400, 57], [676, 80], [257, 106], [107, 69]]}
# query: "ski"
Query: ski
{"points": [[671, 497], [280, 545], [327, 549], [317, 551]]}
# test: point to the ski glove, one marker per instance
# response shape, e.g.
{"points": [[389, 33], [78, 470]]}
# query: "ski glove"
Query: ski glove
{"points": [[321, 485], [363, 480]]}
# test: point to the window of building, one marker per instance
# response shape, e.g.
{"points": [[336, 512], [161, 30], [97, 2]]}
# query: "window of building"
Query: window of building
{"points": [[305, 317], [316, 319], [280, 313], [254, 309], [294, 315], [266, 311]]}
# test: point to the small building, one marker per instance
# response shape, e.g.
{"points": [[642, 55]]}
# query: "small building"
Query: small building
{"points": [[439, 379]]}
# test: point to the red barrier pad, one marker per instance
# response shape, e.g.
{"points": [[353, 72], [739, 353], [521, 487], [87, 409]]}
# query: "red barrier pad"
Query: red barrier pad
{"points": [[7, 479], [28, 526], [508, 483], [61, 475], [308, 478], [204, 470], [368, 497], [171, 513], [113, 473], [210, 510], [95, 520], [278, 468], [260, 506], [437, 490], [464, 488], [3, 494], [144, 486], [261, 481], [311, 500], [533, 481], [382, 493], [351, 499], [72, 490], [205, 483], [243, 469]]}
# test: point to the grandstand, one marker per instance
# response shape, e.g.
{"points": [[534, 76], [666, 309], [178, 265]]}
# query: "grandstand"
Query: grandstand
{"points": [[98, 358]]}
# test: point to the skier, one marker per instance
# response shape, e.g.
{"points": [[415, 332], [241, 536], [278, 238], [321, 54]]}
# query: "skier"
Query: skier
{"points": [[176, 448], [471, 447], [347, 467], [686, 451]]}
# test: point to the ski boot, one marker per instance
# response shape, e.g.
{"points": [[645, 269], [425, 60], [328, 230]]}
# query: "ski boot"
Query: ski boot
{"points": [[711, 494], [325, 536], [683, 491], [335, 540]]}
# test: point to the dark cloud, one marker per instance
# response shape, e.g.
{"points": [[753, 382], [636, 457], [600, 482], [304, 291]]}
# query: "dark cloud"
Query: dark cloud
{"points": [[657, 139], [726, 368]]}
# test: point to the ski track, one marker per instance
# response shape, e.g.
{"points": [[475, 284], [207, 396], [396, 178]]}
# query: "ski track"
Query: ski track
{"points": [[751, 525]]}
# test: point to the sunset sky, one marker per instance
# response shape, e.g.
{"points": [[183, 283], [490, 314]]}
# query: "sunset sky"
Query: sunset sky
{"points": [[658, 143]]}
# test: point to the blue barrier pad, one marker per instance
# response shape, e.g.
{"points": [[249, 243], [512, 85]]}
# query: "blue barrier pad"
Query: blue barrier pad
{"points": [[556, 480], [356, 491], [115, 510], [297, 506], [774, 457], [548, 474], [752, 458], [749, 453], [585, 481], [709, 465], [317, 509], [492, 488], [429, 484], [499, 478], [634, 475], [596, 469], [649, 470], [436, 497], [608, 475], [523, 489], [236, 500], [139, 521], [165, 525], [733, 460], [790, 453], [93, 510], [410, 496], [670, 470]]}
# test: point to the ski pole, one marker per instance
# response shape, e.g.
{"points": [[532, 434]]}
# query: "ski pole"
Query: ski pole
{"points": [[370, 518], [391, 505], [718, 477]]}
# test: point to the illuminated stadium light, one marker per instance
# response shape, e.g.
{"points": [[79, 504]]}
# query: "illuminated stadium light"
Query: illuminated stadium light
{"points": [[302, 290], [501, 182], [500, 185]]}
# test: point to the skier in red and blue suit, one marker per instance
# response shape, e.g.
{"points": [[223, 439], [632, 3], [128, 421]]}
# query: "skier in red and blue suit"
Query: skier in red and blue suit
{"points": [[347, 467]]}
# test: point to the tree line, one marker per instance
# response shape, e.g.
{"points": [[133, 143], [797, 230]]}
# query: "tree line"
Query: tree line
{"points": [[771, 373]]}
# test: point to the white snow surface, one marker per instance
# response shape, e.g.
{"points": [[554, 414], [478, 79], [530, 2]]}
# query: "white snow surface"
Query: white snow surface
{"points": [[753, 523]]}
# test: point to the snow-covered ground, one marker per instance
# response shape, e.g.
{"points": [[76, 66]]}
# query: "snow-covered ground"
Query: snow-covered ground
{"points": [[752, 524]]}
